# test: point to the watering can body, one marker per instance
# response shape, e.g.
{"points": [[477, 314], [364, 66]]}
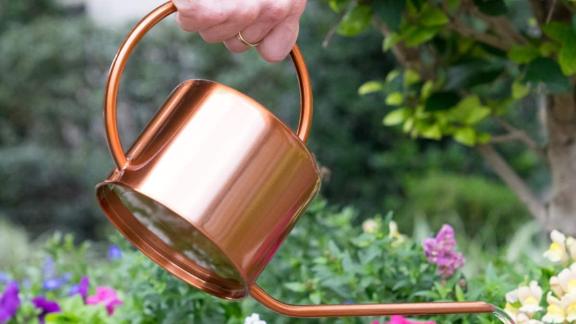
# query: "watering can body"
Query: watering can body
{"points": [[215, 182], [211, 187]]}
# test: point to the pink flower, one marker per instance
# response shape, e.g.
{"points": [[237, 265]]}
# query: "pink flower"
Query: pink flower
{"points": [[105, 296], [441, 250]]}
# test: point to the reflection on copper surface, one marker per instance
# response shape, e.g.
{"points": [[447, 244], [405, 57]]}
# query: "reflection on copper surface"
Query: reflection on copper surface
{"points": [[225, 168], [176, 233]]}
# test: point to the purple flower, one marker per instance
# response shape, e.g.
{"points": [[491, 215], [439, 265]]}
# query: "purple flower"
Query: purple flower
{"points": [[4, 278], [81, 288], [53, 283], [45, 306], [51, 280], [114, 252], [105, 296], [9, 302], [441, 251]]}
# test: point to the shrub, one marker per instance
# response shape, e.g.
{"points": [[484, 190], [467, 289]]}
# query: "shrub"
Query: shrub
{"points": [[324, 260]]}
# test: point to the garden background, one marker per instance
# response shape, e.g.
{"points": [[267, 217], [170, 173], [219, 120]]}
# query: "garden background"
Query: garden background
{"points": [[395, 85]]}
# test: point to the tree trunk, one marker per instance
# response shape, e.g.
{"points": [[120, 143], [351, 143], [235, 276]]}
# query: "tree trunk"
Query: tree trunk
{"points": [[560, 122]]}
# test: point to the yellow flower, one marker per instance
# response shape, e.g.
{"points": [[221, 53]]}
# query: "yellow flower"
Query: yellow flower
{"points": [[557, 251], [560, 310], [565, 280], [524, 302]]}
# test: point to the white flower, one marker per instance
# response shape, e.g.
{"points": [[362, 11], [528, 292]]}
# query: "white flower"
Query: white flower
{"points": [[523, 303], [566, 279], [560, 310], [557, 251], [529, 298], [394, 234], [254, 319], [555, 286], [522, 318], [370, 226], [517, 316]]}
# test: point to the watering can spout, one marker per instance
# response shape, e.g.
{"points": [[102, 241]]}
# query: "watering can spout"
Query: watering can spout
{"points": [[344, 310]]}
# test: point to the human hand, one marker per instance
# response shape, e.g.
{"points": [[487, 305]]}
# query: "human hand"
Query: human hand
{"points": [[272, 24]]}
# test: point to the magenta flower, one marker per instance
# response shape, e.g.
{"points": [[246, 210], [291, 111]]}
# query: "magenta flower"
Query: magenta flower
{"points": [[441, 251], [9, 302], [105, 296], [45, 306], [397, 319], [81, 288]]}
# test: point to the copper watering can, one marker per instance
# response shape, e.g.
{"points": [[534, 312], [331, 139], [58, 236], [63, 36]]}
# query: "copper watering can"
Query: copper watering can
{"points": [[214, 184]]}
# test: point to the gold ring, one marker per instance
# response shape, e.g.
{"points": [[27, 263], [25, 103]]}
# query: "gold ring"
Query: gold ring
{"points": [[245, 42]]}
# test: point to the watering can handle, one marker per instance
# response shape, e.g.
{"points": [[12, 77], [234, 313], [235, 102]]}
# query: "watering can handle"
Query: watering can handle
{"points": [[119, 63]]}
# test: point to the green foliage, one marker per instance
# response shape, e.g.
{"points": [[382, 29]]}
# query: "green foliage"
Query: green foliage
{"points": [[482, 209], [475, 63], [311, 267]]}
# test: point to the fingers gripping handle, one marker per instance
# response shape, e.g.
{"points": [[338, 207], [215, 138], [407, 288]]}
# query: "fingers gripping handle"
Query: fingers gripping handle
{"points": [[119, 64]]}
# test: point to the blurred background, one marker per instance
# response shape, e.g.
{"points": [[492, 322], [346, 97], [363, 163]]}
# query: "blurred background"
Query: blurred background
{"points": [[54, 56]]}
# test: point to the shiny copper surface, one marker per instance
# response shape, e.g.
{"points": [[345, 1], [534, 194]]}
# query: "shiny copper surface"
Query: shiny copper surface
{"points": [[215, 182], [367, 309]]}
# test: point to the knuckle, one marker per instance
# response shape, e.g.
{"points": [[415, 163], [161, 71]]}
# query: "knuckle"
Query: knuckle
{"points": [[214, 16], [246, 15], [209, 37], [185, 24], [276, 10], [298, 7]]}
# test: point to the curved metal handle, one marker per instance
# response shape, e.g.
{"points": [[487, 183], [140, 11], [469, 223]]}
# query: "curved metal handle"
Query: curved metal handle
{"points": [[435, 308], [119, 63]]}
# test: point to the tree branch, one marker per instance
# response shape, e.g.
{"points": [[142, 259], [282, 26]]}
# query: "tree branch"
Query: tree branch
{"points": [[538, 10], [407, 57], [513, 181], [502, 26], [516, 134], [458, 26]]}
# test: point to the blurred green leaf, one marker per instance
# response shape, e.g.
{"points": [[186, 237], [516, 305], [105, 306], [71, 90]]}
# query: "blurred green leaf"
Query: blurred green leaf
{"points": [[431, 16], [390, 11], [416, 35], [492, 7], [295, 286], [466, 136], [519, 90], [394, 99], [338, 5], [547, 71], [355, 21], [523, 54], [395, 117], [370, 87]]}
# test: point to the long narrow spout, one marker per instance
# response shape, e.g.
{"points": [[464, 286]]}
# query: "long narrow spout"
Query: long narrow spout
{"points": [[367, 309]]}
